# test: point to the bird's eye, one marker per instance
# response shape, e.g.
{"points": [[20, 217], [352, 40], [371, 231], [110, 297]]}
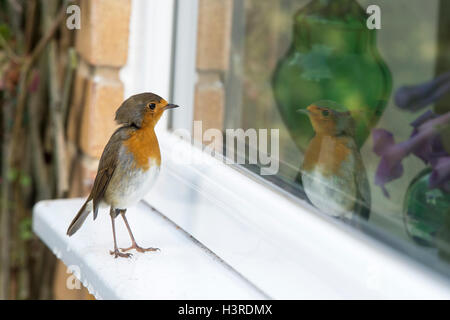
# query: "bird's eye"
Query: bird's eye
{"points": [[152, 106], [325, 113]]}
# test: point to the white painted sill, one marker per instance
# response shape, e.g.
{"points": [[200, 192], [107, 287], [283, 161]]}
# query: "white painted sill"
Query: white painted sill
{"points": [[269, 246], [183, 269], [283, 247]]}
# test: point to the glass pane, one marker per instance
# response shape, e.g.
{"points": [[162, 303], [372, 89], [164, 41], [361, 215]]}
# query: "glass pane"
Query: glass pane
{"points": [[361, 103]]}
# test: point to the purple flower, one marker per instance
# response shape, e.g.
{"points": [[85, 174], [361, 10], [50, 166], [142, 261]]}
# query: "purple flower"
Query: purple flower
{"points": [[423, 118], [390, 166], [432, 148], [440, 177], [417, 97], [425, 142]]}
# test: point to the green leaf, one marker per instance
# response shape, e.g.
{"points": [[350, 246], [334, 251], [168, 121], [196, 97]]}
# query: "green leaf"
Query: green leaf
{"points": [[73, 59], [5, 31], [12, 174], [25, 231], [25, 180]]}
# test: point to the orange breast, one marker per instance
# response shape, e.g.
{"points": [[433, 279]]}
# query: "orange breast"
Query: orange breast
{"points": [[328, 152], [143, 144]]}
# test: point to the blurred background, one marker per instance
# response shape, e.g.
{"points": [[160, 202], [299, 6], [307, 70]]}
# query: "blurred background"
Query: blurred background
{"points": [[256, 63], [37, 63]]}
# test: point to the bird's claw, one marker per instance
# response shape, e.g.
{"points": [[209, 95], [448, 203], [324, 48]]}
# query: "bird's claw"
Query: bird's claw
{"points": [[116, 253], [139, 249]]}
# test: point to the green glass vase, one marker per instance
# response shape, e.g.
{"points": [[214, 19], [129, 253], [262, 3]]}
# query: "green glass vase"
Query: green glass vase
{"points": [[426, 211], [333, 56]]}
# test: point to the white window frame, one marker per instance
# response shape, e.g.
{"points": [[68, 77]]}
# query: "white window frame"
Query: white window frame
{"points": [[148, 66], [280, 244]]}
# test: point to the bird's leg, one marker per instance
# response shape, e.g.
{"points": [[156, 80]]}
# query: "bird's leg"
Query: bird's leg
{"points": [[116, 253], [133, 242]]}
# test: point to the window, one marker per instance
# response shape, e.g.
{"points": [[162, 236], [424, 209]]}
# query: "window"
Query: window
{"points": [[251, 65]]}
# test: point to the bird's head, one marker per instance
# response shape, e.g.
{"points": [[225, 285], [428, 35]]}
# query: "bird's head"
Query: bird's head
{"points": [[327, 117], [142, 109]]}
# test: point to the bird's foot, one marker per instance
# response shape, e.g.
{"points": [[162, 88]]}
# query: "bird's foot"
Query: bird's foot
{"points": [[116, 253], [139, 249]]}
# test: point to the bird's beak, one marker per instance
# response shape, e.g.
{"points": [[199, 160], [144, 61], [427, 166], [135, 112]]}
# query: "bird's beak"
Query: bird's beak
{"points": [[170, 106], [304, 111]]}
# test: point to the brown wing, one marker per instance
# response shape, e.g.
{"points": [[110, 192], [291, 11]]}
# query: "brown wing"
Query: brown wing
{"points": [[107, 165]]}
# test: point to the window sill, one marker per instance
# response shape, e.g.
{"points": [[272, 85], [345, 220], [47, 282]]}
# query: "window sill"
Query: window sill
{"points": [[269, 246], [183, 269], [283, 246]]}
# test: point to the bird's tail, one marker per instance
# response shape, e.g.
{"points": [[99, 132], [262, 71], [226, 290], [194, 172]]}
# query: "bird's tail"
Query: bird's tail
{"points": [[77, 222]]}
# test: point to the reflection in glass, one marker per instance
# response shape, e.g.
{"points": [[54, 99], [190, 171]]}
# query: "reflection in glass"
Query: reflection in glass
{"points": [[426, 211], [333, 56], [427, 200], [290, 54], [333, 174]]}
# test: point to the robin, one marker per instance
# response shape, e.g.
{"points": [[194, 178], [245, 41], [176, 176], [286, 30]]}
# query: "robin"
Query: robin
{"points": [[333, 173], [128, 166]]}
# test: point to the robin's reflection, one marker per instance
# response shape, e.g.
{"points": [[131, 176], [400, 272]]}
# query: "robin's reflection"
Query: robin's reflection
{"points": [[333, 174]]}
